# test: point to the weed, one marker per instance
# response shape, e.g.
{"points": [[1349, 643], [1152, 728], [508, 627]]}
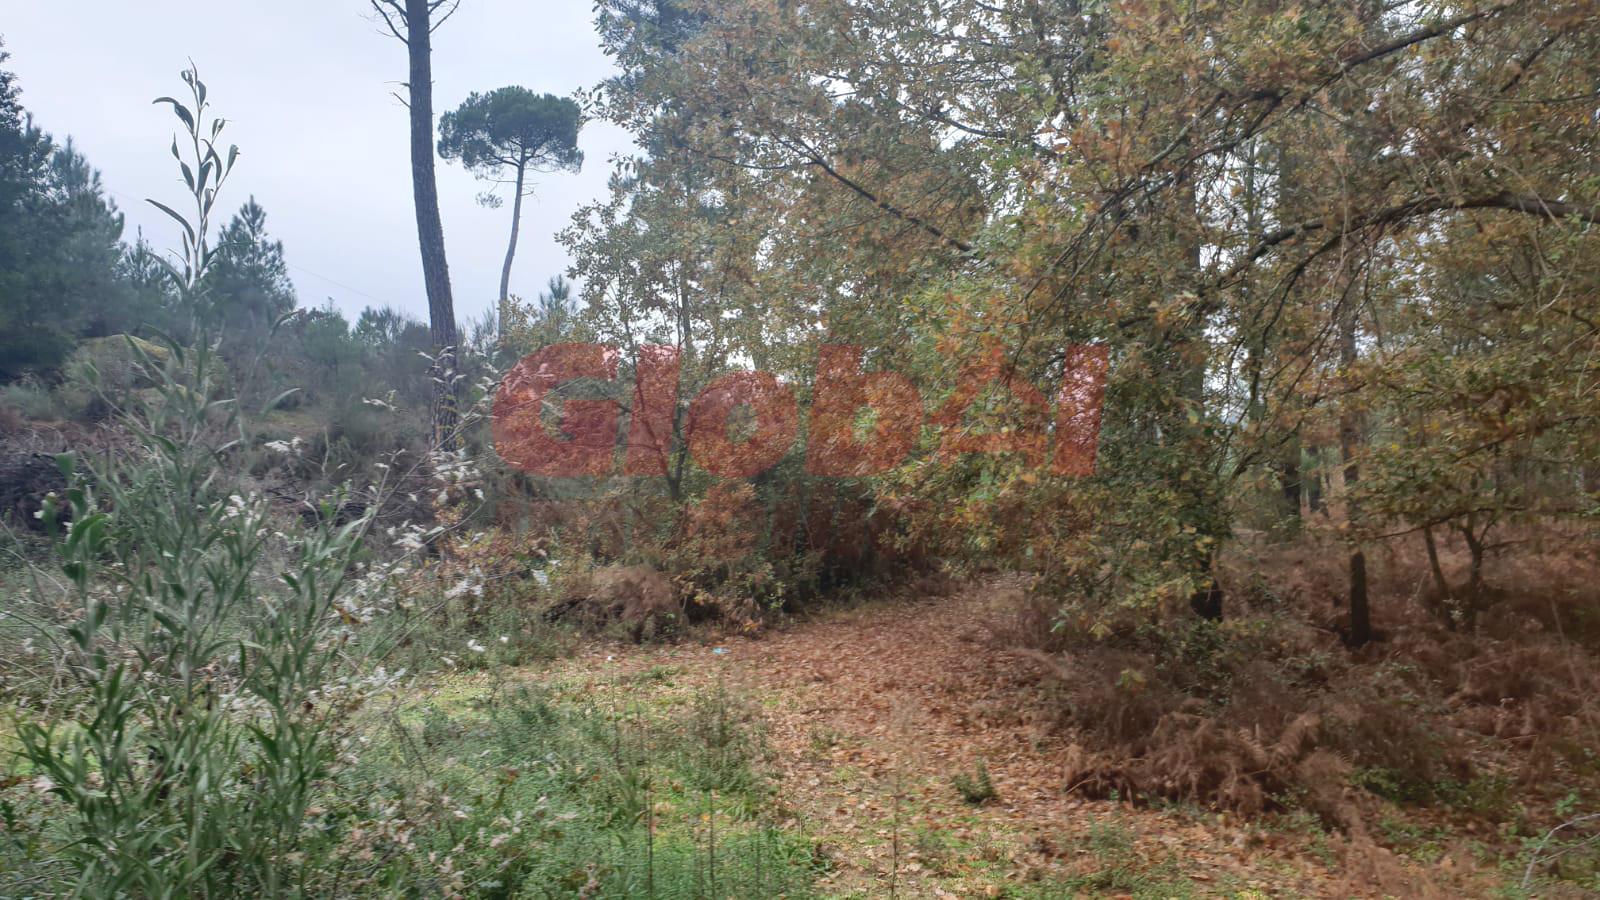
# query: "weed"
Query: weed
{"points": [[206, 710], [823, 739], [976, 789], [563, 796]]}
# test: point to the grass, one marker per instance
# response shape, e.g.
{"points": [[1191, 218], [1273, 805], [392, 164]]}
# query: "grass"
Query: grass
{"points": [[549, 789], [495, 783]]}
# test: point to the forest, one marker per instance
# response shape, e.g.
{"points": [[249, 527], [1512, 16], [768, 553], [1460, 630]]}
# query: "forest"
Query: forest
{"points": [[973, 448]]}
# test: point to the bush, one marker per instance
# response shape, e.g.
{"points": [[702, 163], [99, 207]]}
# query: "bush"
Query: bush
{"points": [[204, 716], [975, 789], [1222, 714], [104, 375], [27, 399]]}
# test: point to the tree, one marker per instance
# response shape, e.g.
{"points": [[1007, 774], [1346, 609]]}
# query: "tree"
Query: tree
{"points": [[390, 341], [502, 136], [146, 303], [248, 286], [60, 243], [1040, 175], [413, 22], [549, 321]]}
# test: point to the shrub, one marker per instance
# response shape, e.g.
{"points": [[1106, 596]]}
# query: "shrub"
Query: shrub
{"points": [[27, 399], [204, 717], [976, 788], [104, 375]]}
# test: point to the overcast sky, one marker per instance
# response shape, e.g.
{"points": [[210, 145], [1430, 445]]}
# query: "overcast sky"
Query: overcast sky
{"points": [[306, 86]]}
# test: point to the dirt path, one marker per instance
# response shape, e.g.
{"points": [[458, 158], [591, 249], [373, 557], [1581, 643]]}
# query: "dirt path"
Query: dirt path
{"points": [[872, 712]]}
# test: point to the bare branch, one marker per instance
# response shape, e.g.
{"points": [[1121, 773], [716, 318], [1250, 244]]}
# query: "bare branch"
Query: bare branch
{"points": [[391, 12], [433, 7]]}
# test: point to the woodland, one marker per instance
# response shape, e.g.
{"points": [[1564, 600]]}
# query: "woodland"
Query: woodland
{"points": [[1300, 599]]}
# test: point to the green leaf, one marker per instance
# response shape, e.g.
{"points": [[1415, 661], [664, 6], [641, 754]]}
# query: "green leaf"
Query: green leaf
{"points": [[272, 404], [181, 110], [187, 228]]}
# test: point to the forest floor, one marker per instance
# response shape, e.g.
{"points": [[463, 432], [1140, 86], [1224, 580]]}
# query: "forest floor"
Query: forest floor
{"points": [[871, 712]]}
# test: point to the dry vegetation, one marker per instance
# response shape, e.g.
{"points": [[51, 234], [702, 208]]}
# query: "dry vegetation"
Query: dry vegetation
{"points": [[1196, 493], [1296, 769]]}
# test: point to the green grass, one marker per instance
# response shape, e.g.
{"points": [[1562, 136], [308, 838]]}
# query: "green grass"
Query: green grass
{"points": [[485, 784], [544, 790]]}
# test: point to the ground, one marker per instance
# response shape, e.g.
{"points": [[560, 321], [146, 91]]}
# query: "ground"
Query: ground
{"points": [[871, 713]]}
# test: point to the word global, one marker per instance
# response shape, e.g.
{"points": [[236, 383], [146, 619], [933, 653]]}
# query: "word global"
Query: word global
{"points": [[539, 431]]}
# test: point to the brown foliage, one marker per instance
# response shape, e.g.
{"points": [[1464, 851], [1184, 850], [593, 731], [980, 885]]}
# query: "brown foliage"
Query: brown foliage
{"points": [[641, 599], [1269, 709]]}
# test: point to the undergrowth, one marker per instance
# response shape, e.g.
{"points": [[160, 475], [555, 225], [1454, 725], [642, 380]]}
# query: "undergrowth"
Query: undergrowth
{"points": [[1268, 714], [530, 790]]}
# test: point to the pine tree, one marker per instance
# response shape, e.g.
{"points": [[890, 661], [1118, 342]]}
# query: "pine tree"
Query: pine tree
{"points": [[248, 287]]}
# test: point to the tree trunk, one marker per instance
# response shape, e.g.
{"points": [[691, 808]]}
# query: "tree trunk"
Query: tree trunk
{"points": [[1314, 483], [1444, 606], [430, 230], [1290, 484], [1350, 439], [1207, 601], [1477, 590], [1360, 609], [511, 253]]}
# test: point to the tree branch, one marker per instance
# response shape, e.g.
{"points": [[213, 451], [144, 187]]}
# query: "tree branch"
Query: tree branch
{"points": [[1422, 34], [390, 11], [1531, 204], [816, 159], [435, 7]]}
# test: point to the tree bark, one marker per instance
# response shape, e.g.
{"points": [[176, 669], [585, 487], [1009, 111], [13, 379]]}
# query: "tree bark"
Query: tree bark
{"points": [[1291, 485], [1477, 589], [511, 252], [1350, 439], [1443, 606], [430, 229], [1313, 484], [1207, 602], [1352, 424], [1208, 599]]}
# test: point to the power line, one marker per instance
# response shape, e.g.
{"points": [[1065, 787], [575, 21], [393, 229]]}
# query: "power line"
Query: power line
{"points": [[333, 281]]}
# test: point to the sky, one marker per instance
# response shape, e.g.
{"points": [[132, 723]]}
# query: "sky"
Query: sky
{"points": [[307, 88]]}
